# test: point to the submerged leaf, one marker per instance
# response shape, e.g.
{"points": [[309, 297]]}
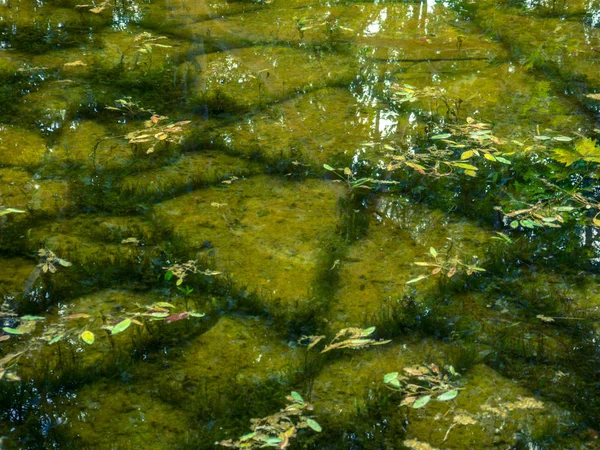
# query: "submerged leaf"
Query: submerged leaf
{"points": [[421, 401], [297, 397], [314, 425], [121, 326], [446, 396], [88, 337], [10, 330]]}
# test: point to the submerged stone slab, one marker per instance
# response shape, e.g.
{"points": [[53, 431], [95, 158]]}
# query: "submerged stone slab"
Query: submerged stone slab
{"points": [[75, 148], [264, 232], [110, 414], [376, 268], [489, 409], [161, 396], [14, 273], [20, 147], [191, 171], [252, 77], [506, 93], [235, 351], [319, 127], [545, 41], [414, 32]]}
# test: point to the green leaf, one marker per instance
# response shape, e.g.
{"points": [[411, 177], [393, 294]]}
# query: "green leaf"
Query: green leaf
{"points": [[528, 223], [441, 136], [389, 377], [567, 157], [421, 401], [272, 441], [195, 314], [562, 138], [55, 339], [328, 167], [447, 396], [164, 305], [12, 330], [32, 318], [367, 331], [168, 275], [503, 160], [121, 326], [297, 397], [514, 224], [542, 138], [247, 436], [6, 211], [414, 280], [433, 252], [314, 425], [88, 337], [464, 166]]}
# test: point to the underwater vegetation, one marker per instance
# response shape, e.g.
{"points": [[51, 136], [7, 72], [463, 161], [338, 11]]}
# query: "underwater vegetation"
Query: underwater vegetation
{"points": [[299, 224]]}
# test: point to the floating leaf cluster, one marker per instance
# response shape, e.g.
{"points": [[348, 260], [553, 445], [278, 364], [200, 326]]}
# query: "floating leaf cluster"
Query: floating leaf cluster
{"points": [[49, 261], [277, 429], [420, 384], [352, 338]]}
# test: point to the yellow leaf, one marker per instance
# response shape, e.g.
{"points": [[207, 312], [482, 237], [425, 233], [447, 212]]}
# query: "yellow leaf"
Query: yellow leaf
{"points": [[596, 221], [88, 337], [467, 154], [489, 157]]}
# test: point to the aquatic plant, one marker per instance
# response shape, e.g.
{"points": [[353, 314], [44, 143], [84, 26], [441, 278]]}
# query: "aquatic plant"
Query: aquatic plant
{"points": [[154, 133], [277, 429], [354, 338], [180, 271], [4, 211], [419, 384], [458, 147], [446, 265], [49, 261]]}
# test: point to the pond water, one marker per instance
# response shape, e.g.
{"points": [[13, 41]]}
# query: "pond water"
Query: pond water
{"points": [[299, 224]]}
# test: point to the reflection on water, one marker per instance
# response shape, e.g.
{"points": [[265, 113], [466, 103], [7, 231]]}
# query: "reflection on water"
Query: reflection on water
{"points": [[426, 168]]}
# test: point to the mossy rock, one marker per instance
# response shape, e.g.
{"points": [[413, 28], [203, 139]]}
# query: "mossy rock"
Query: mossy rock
{"points": [[248, 78], [52, 106], [325, 126], [373, 275], [20, 147], [75, 149], [14, 275], [191, 171], [264, 232]]}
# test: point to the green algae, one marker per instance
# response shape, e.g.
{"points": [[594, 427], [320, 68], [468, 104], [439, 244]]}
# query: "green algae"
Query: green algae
{"points": [[264, 232], [283, 88]]}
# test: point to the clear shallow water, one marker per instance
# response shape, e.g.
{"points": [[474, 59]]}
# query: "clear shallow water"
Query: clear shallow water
{"points": [[285, 247]]}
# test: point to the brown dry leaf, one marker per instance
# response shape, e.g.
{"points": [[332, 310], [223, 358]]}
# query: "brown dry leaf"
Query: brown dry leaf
{"points": [[417, 445], [463, 419], [525, 403], [416, 371], [75, 64], [495, 411], [77, 316]]}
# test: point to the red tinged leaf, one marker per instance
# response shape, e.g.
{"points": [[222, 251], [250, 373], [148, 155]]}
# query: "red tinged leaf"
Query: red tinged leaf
{"points": [[176, 317]]}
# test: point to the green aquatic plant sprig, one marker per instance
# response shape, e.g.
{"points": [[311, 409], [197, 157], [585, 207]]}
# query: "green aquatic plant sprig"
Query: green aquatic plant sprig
{"points": [[420, 384], [446, 265], [351, 338], [277, 429]]}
